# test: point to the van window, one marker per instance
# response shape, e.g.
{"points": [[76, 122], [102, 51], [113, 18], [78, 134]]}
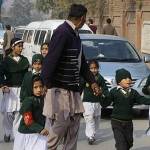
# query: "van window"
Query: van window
{"points": [[42, 36], [29, 37], [36, 37], [19, 33], [25, 35], [48, 36]]}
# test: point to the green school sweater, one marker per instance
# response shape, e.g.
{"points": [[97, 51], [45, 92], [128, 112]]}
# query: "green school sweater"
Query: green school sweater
{"points": [[88, 92], [123, 104], [26, 87], [35, 105], [14, 71]]}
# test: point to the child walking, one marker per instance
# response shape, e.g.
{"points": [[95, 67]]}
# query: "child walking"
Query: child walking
{"points": [[32, 134], [26, 87], [12, 71], [91, 103], [123, 98]]}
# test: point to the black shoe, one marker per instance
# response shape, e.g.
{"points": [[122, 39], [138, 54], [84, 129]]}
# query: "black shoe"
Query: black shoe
{"points": [[7, 138], [91, 141]]}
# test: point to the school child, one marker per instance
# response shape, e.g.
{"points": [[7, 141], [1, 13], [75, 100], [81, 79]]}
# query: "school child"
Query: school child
{"points": [[123, 98], [91, 103], [26, 87], [32, 135], [12, 70], [44, 49]]}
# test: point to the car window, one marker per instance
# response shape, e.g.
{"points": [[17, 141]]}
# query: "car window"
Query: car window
{"points": [[48, 36], [25, 35], [109, 50], [19, 33], [42, 36], [29, 37], [36, 37]]}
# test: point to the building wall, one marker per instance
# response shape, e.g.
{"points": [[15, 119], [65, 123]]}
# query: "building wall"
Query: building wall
{"points": [[127, 16]]}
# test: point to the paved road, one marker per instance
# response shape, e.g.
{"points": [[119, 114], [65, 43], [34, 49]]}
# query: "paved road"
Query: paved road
{"points": [[105, 137]]}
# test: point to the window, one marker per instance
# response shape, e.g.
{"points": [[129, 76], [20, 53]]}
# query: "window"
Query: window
{"points": [[37, 37], [29, 37], [42, 36], [25, 35], [48, 37], [19, 33], [109, 50]]}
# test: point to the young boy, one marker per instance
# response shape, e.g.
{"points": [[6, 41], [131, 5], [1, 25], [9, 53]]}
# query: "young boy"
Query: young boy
{"points": [[91, 103], [123, 98], [26, 87], [32, 134], [12, 71]]}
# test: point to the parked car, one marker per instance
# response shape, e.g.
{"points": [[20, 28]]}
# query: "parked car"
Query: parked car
{"points": [[112, 53]]}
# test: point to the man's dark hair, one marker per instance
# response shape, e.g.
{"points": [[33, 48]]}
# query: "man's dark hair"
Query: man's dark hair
{"points": [[77, 11], [108, 20], [8, 27]]}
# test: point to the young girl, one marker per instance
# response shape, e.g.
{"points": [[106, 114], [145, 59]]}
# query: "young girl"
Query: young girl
{"points": [[44, 49], [12, 71], [32, 134], [91, 103]]}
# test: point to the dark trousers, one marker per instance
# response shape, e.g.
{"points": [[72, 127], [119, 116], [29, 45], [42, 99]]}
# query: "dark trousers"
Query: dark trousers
{"points": [[123, 134]]}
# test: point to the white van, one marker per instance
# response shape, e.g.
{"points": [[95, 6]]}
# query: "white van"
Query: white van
{"points": [[39, 32]]}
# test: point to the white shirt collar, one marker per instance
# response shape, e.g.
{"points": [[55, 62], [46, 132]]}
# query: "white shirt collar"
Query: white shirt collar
{"points": [[119, 87], [34, 72], [71, 24]]}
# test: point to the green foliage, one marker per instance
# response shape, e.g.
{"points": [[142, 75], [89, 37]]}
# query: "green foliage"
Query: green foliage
{"points": [[59, 7], [21, 12], [45, 5]]}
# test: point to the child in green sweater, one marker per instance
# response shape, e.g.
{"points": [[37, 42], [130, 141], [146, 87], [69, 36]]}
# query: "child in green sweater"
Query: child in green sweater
{"points": [[91, 103], [123, 98], [32, 134], [26, 87]]}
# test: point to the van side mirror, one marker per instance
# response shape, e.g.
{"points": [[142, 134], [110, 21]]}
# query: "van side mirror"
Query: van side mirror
{"points": [[146, 58]]}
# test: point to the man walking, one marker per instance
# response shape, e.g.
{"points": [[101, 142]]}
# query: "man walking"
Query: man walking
{"points": [[61, 72], [109, 28], [8, 36]]}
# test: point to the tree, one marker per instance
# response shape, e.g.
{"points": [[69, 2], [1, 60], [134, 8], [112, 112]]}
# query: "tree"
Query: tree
{"points": [[45, 5], [21, 12]]}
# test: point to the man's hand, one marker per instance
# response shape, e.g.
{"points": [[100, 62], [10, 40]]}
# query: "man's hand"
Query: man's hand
{"points": [[5, 89], [44, 132], [96, 89]]}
